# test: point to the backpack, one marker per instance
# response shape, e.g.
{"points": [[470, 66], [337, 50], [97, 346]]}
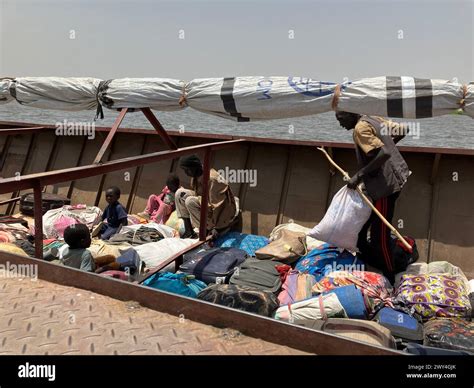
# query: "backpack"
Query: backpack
{"points": [[243, 298], [261, 274], [215, 265], [176, 283]]}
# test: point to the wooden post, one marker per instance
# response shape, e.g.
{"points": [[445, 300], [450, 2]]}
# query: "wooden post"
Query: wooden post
{"points": [[205, 195], [38, 214]]}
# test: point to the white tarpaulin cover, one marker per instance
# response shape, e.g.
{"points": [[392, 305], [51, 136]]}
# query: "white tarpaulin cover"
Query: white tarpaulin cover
{"points": [[404, 97], [72, 94], [260, 98], [155, 93], [5, 95], [246, 98]]}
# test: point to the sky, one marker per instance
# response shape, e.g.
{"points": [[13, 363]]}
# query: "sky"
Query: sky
{"points": [[324, 40]]}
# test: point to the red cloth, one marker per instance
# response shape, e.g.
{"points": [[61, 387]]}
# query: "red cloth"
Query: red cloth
{"points": [[283, 269]]}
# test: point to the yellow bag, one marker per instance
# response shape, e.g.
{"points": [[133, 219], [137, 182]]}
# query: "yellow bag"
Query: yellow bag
{"points": [[12, 248]]}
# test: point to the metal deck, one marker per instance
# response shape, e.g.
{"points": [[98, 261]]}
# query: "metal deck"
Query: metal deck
{"points": [[39, 317]]}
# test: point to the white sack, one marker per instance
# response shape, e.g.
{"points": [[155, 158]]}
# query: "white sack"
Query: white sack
{"points": [[82, 214], [153, 254], [260, 98], [404, 97], [343, 221], [155, 93], [70, 94]]}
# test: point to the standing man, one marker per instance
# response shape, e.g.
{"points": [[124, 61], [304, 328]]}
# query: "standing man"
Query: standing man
{"points": [[221, 206], [384, 173]]}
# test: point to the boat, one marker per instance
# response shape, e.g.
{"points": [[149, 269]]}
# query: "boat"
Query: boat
{"points": [[295, 182]]}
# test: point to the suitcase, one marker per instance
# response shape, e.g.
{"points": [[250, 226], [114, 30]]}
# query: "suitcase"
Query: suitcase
{"points": [[49, 201], [401, 325], [215, 265], [356, 329]]}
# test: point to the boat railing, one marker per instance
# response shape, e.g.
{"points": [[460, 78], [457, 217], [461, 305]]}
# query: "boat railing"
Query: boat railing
{"points": [[39, 180]]}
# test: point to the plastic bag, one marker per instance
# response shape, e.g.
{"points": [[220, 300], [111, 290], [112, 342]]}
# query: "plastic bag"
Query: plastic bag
{"points": [[454, 334], [343, 221]]}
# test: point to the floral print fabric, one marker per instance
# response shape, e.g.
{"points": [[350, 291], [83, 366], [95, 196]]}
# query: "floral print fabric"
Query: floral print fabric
{"points": [[434, 295]]}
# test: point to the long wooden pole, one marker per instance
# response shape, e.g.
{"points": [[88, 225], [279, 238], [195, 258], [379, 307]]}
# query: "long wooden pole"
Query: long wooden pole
{"points": [[369, 202]]}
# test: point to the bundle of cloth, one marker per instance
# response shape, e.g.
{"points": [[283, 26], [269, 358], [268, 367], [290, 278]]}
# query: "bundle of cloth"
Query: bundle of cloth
{"points": [[143, 233], [435, 290], [55, 221], [375, 287]]}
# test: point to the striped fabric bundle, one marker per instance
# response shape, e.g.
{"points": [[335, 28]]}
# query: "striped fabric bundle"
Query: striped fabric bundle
{"points": [[71, 94], [155, 93], [403, 97], [5, 95], [260, 98]]}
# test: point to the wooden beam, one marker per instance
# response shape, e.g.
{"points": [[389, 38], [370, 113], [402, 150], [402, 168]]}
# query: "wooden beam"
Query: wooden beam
{"points": [[433, 205], [110, 136]]}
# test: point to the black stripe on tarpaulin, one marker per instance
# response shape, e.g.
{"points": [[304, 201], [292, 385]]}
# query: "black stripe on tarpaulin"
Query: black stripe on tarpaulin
{"points": [[424, 98], [227, 96], [394, 97]]}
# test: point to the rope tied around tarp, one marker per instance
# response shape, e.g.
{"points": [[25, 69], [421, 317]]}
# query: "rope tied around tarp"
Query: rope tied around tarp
{"points": [[335, 97], [101, 97], [183, 102], [462, 102]]}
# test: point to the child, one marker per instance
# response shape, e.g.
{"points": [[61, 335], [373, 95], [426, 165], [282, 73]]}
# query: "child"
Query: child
{"points": [[115, 215], [160, 207], [78, 238]]}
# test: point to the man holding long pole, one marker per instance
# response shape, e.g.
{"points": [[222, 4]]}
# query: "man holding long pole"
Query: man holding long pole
{"points": [[384, 172]]}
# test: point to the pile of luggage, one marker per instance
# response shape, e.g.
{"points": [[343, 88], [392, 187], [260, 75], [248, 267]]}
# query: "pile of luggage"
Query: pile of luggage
{"points": [[294, 278], [288, 276]]}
